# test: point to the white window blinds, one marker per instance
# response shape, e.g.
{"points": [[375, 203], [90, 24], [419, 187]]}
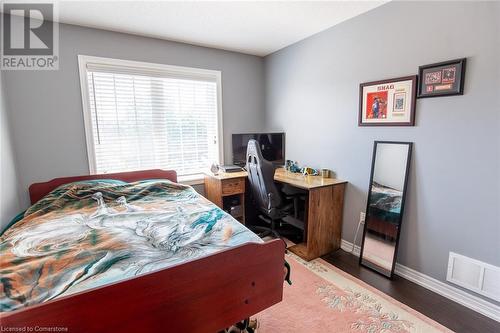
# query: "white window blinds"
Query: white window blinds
{"points": [[148, 118]]}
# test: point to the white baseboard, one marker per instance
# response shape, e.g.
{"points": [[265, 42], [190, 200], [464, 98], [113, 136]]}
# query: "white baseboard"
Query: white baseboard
{"points": [[348, 247], [457, 295]]}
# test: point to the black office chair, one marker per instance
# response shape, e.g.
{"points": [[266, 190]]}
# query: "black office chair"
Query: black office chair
{"points": [[267, 197]]}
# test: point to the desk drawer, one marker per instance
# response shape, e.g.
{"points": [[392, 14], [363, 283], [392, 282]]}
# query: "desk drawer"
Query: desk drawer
{"points": [[233, 186]]}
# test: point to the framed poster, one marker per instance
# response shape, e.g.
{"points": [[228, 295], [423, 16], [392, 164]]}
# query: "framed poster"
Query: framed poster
{"points": [[388, 102], [442, 79]]}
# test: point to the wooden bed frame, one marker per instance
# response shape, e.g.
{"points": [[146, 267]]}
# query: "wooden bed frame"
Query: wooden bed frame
{"points": [[202, 295]]}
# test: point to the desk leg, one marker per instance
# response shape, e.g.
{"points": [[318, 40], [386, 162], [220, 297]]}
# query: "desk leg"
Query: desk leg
{"points": [[324, 222]]}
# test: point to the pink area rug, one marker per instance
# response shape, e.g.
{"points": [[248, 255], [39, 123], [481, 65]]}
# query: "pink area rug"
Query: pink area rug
{"points": [[322, 298]]}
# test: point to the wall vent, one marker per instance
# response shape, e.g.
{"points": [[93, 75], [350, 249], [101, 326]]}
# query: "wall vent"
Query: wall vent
{"points": [[474, 275]]}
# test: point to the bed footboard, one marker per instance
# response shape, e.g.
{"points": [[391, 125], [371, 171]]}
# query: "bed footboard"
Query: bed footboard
{"points": [[203, 295]]}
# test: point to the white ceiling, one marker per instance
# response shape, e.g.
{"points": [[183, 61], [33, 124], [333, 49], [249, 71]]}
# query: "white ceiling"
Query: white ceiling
{"points": [[253, 27]]}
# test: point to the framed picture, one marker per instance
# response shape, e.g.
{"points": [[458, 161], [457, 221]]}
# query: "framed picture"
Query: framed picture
{"points": [[442, 79], [388, 102]]}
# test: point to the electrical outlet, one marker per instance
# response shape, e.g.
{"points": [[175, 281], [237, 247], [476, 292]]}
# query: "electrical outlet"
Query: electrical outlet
{"points": [[362, 217]]}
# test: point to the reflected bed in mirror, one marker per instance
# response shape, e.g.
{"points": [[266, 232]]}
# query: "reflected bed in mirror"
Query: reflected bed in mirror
{"points": [[385, 204]]}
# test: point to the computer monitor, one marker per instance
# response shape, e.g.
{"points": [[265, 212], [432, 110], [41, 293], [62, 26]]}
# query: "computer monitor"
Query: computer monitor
{"points": [[272, 146]]}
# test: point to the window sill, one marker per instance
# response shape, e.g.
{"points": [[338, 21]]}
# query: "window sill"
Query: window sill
{"points": [[197, 179]]}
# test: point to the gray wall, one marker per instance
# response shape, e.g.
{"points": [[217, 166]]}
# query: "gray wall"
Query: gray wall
{"points": [[46, 108], [9, 195], [454, 189]]}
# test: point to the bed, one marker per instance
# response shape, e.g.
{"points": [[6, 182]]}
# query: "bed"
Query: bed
{"points": [[132, 252], [384, 211]]}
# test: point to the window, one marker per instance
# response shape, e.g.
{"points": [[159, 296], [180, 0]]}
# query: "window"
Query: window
{"points": [[146, 116]]}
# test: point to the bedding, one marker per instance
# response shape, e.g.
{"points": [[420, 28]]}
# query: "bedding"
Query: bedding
{"points": [[385, 203], [88, 234]]}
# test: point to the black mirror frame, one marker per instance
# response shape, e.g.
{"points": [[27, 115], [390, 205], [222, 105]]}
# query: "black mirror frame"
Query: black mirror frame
{"points": [[403, 200]]}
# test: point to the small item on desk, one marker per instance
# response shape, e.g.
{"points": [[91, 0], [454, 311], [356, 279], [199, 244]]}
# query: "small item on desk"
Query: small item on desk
{"points": [[325, 173], [292, 166], [214, 168], [307, 171], [231, 168]]}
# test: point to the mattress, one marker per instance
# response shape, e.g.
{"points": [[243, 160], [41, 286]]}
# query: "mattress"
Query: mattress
{"points": [[88, 234]]}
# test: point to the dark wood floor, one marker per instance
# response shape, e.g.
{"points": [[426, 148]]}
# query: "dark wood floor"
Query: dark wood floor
{"points": [[446, 312]]}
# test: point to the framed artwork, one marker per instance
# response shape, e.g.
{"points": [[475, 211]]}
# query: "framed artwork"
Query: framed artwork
{"points": [[442, 79], [388, 102]]}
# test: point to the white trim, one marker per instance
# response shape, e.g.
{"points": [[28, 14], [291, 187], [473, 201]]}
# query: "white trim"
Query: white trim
{"points": [[350, 247], [220, 119], [457, 295], [153, 68], [87, 117]]}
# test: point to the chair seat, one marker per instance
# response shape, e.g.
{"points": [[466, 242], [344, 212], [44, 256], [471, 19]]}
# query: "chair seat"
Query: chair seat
{"points": [[293, 221], [292, 191], [287, 207]]}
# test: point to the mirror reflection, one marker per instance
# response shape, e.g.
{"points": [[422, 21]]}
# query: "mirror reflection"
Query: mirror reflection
{"points": [[385, 205]]}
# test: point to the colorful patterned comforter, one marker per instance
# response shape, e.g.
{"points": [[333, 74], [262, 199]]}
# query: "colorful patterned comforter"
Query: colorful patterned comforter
{"points": [[88, 234], [385, 203]]}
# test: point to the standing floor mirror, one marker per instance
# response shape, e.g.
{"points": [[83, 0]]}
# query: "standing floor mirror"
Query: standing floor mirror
{"points": [[385, 205]]}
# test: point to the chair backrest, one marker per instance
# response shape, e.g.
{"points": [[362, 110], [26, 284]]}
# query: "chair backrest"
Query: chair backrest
{"points": [[261, 178]]}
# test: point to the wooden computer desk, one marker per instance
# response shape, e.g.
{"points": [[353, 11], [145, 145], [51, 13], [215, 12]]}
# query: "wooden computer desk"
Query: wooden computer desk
{"points": [[324, 208]]}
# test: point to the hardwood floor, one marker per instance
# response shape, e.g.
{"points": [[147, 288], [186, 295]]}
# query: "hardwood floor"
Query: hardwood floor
{"points": [[448, 313]]}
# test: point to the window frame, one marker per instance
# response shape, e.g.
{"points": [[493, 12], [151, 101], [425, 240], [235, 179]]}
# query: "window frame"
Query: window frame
{"points": [[84, 60]]}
